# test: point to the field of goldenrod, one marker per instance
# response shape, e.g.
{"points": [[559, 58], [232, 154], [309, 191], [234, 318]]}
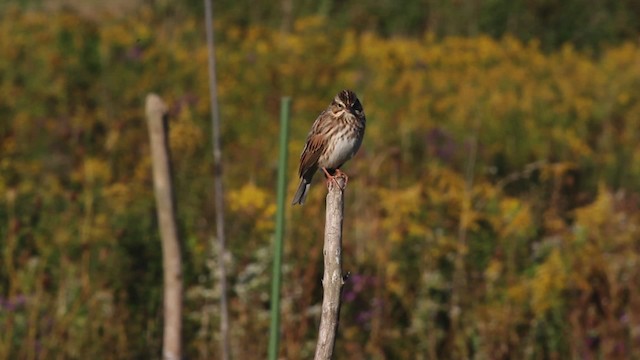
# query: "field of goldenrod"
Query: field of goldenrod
{"points": [[492, 213]]}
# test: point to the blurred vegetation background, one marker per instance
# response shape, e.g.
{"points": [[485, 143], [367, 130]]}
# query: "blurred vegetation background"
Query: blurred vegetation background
{"points": [[493, 211]]}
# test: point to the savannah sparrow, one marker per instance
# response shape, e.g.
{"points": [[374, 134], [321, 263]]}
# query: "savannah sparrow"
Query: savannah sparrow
{"points": [[334, 138]]}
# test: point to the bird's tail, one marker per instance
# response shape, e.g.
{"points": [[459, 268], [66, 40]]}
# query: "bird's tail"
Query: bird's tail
{"points": [[301, 194]]}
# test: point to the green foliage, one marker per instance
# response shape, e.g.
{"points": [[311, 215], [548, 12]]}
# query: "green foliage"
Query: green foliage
{"points": [[492, 212], [589, 25]]}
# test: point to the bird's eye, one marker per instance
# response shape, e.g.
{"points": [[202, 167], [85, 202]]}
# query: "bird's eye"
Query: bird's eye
{"points": [[340, 105]]}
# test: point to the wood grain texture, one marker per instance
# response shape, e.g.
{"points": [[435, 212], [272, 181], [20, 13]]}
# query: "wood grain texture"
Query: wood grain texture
{"points": [[156, 112], [332, 280]]}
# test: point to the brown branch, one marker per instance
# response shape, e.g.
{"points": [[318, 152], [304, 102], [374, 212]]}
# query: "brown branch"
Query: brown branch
{"points": [[332, 280], [156, 112]]}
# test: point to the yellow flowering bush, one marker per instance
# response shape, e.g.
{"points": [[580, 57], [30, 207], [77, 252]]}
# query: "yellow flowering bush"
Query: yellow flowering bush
{"points": [[492, 210]]}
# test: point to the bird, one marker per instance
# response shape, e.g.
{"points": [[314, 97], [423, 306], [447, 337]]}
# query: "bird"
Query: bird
{"points": [[335, 137]]}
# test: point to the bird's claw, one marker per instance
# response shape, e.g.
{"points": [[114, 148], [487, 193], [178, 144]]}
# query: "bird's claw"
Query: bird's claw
{"points": [[338, 173]]}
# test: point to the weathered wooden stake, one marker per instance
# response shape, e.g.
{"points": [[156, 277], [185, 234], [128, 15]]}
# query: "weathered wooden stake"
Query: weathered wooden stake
{"points": [[156, 112], [332, 280]]}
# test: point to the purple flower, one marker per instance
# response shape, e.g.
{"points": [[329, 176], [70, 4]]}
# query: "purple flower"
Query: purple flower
{"points": [[134, 53], [13, 304]]}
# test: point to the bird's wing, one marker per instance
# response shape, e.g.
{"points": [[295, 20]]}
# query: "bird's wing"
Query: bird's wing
{"points": [[316, 141], [311, 153]]}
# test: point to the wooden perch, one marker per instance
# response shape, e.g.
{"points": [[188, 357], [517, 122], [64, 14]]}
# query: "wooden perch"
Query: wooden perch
{"points": [[332, 280], [171, 258]]}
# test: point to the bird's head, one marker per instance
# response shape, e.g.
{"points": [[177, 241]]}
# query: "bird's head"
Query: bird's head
{"points": [[346, 103]]}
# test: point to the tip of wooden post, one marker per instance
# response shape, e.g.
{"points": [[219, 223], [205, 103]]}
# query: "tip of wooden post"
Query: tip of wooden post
{"points": [[154, 105], [338, 182]]}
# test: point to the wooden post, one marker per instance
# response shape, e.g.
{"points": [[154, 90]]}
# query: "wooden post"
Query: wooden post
{"points": [[332, 280], [171, 258]]}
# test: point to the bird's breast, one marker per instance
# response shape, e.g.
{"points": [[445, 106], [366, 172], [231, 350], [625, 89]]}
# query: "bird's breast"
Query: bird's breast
{"points": [[339, 150]]}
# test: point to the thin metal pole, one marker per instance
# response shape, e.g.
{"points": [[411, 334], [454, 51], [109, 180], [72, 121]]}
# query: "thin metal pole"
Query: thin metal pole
{"points": [[217, 181], [274, 330]]}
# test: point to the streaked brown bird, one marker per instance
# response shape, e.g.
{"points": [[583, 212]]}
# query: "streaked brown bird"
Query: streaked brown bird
{"points": [[334, 138]]}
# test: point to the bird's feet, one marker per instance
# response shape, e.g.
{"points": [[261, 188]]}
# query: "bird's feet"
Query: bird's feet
{"points": [[337, 174]]}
